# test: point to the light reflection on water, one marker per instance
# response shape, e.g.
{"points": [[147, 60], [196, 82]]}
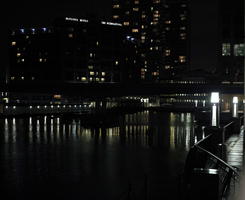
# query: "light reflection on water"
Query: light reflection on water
{"points": [[37, 148]]}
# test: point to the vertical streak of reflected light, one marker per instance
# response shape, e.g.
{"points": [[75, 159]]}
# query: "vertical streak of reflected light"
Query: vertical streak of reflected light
{"points": [[6, 131], [30, 131], [38, 131]]}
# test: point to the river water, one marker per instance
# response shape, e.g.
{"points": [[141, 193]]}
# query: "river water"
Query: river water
{"points": [[140, 155]]}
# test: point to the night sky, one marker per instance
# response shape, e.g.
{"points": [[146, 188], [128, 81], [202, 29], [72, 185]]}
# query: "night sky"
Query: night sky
{"points": [[35, 13]]}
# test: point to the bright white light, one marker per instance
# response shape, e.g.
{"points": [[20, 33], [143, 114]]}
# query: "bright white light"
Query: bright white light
{"points": [[45, 106], [214, 97], [214, 116], [30, 107], [38, 107], [14, 107], [235, 100]]}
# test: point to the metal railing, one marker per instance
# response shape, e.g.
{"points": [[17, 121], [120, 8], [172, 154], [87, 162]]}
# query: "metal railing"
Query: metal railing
{"points": [[202, 156]]}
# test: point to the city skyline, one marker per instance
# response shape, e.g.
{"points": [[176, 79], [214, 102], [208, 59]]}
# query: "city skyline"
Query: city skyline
{"points": [[204, 18]]}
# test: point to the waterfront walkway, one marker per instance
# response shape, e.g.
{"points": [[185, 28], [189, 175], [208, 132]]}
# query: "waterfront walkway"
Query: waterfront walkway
{"points": [[235, 156]]}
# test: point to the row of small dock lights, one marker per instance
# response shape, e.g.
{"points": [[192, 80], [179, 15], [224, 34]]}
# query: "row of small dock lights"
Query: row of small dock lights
{"points": [[32, 109], [51, 106]]}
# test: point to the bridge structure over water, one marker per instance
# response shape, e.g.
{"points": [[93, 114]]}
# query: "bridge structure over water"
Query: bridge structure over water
{"points": [[117, 90]]}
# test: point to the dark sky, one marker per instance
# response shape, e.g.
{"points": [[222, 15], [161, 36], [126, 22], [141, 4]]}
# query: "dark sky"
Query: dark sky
{"points": [[35, 13]]}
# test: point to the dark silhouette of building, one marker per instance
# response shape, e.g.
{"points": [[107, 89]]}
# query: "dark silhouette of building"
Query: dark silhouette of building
{"points": [[232, 21], [217, 38], [72, 50], [161, 29]]}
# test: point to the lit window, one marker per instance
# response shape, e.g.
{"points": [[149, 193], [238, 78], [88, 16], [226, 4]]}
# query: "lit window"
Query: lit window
{"points": [[136, 2], [136, 9], [13, 43], [126, 23], [12, 77], [156, 1], [97, 43], [116, 62], [102, 79], [83, 79], [143, 16], [183, 36], [167, 66], [18, 54], [97, 79], [90, 67], [91, 73], [22, 60], [167, 52], [116, 6], [135, 30], [90, 55], [226, 49], [115, 16], [70, 35], [103, 73], [182, 59], [40, 59], [22, 78], [239, 50], [168, 22]]}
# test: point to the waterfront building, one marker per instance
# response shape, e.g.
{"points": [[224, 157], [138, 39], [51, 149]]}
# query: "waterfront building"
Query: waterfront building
{"points": [[217, 38], [71, 50], [232, 21], [161, 29]]}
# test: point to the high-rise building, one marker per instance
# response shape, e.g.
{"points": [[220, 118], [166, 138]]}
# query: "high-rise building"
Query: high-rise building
{"points": [[232, 38], [72, 50], [161, 29], [217, 42]]}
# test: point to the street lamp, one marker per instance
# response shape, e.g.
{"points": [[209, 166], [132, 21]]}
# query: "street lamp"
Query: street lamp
{"points": [[215, 108], [235, 107]]}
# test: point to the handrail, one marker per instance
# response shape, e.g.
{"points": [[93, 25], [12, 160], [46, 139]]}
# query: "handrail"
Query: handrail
{"points": [[228, 124], [227, 172], [217, 158], [204, 139]]}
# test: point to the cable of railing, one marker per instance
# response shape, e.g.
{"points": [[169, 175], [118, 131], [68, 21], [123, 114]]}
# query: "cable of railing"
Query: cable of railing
{"points": [[218, 159]]}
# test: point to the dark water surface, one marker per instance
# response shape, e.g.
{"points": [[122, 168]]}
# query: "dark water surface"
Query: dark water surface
{"points": [[47, 158]]}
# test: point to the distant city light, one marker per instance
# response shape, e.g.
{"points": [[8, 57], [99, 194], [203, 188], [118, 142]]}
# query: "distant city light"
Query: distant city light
{"points": [[75, 19], [111, 23]]}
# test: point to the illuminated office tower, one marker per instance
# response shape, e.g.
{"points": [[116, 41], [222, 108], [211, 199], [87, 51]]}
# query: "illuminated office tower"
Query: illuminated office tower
{"points": [[161, 28]]}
